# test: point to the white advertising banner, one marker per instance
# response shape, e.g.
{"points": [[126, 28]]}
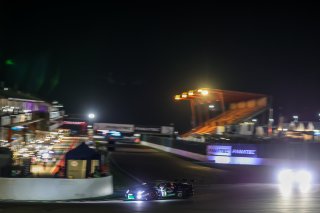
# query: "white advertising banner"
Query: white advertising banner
{"points": [[115, 127]]}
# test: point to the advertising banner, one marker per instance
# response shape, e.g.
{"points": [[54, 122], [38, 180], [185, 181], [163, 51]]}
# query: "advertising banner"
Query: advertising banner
{"points": [[233, 150], [244, 150], [219, 150], [115, 127], [166, 130]]}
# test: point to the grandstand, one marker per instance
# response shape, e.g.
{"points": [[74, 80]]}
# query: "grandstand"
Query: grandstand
{"points": [[236, 107]]}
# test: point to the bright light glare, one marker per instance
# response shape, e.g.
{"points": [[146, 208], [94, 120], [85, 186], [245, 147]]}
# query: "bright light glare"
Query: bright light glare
{"points": [[139, 195], [290, 179], [45, 155], [286, 179], [204, 92], [91, 115], [286, 190], [286, 176], [304, 188], [140, 192], [303, 177], [184, 95]]}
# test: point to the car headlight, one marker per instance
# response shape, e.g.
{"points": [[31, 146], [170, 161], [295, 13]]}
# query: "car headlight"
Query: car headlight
{"points": [[303, 177], [139, 194], [286, 176], [289, 178]]}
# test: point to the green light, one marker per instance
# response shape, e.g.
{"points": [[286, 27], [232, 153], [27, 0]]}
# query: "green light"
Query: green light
{"points": [[9, 62]]}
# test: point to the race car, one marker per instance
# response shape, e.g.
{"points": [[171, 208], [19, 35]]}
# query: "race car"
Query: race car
{"points": [[122, 137], [160, 190]]}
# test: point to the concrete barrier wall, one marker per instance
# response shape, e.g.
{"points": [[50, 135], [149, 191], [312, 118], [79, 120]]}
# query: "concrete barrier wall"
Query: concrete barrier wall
{"points": [[191, 146], [54, 188], [183, 153], [266, 153]]}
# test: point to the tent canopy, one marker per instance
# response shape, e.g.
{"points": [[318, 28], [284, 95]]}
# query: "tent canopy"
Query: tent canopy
{"points": [[82, 152]]}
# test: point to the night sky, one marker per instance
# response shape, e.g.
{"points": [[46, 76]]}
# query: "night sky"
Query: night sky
{"points": [[126, 62]]}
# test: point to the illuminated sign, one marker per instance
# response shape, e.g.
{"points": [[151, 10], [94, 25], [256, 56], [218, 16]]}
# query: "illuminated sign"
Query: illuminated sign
{"points": [[219, 150], [234, 150], [244, 151]]}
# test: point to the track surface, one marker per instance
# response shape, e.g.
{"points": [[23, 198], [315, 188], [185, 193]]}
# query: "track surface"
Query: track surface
{"points": [[216, 190]]}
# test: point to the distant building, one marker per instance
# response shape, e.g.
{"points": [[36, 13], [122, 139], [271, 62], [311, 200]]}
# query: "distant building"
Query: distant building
{"points": [[22, 113]]}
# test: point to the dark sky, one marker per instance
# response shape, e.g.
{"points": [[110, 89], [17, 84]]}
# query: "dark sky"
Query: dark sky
{"points": [[125, 62]]}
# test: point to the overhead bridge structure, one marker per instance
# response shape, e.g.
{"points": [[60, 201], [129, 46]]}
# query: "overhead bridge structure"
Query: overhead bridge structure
{"points": [[211, 108]]}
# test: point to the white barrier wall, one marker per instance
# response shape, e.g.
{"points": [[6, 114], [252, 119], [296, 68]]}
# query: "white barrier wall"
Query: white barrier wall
{"points": [[54, 188], [180, 152], [219, 159]]}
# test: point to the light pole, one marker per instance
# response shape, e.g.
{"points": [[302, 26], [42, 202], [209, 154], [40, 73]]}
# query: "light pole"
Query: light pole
{"points": [[91, 116]]}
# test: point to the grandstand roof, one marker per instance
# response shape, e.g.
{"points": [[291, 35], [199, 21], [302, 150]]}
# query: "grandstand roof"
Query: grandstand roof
{"points": [[9, 93], [227, 95], [235, 96]]}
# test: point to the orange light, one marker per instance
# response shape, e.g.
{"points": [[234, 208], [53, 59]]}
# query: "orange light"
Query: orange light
{"points": [[184, 95], [177, 97], [190, 92]]}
